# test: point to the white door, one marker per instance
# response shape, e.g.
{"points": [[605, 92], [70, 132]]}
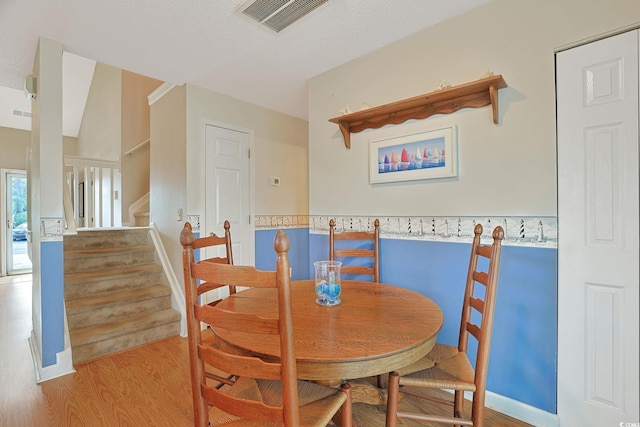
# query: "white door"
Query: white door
{"points": [[598, 301], [227, 189]]}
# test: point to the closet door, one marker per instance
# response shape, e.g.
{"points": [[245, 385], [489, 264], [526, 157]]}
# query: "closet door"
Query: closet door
{"points": [[598, 301]]}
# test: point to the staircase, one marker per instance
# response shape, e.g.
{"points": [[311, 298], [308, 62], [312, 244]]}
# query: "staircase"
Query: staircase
{"points": [[114, 292]]}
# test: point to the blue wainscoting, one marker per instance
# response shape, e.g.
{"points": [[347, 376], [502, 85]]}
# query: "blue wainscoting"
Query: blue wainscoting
{"points": [[52, 300], [524, 346], [298, 251]]}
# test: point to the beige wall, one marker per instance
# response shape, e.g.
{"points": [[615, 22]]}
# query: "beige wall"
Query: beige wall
{"points": [[116, 119], [100, 131], [135, 130], [177, 131], [279, 148], [13, 146], [504, 169], [168, 173], [13, 155], [290, 163], [15, 142]]}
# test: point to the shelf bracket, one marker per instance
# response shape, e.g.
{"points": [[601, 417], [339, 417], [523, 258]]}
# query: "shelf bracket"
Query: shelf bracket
{"points": [[346, 133], [493, 97]]}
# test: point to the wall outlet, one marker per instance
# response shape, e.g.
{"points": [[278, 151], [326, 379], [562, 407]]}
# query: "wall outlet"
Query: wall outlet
{"points": [[274, 181]]}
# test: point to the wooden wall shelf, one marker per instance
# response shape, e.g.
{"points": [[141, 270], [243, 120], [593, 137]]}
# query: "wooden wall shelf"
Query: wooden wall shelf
{"points": [[470, 95]]}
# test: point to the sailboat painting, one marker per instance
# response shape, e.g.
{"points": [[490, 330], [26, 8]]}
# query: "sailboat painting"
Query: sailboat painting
{"points": [[425, 155]]}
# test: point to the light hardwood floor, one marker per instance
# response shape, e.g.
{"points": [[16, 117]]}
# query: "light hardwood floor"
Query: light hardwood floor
{"points": [[144, 386]]}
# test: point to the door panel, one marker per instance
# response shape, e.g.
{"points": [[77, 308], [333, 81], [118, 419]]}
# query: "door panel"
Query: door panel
{"points": [[598, 226], [227, 189]]}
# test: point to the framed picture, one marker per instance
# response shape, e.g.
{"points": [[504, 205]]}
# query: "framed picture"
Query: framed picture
{"points": [[425, 155]]}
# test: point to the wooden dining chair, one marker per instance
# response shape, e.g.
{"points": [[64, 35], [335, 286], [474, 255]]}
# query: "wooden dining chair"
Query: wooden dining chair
{"points": [[359, 251], [261, 392], [209, 292], [449, 367], [208, 243]]}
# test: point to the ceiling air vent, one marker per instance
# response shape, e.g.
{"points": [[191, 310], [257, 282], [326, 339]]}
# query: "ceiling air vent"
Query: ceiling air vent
{"points": [[279, 14]]}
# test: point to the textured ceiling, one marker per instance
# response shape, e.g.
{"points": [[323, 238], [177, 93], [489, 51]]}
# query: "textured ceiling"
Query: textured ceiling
{"points": [[210, 44]]}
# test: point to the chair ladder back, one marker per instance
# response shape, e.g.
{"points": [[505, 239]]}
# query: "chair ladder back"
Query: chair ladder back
{"points": [[204, 287], [241, 365], [237, 321], [237, 363], [287, 356], [236, 275], [251, 409], [484, 344], [484, 306], [372, 250], [193, 325], [212, 241], [452, 370], [352, 235]]}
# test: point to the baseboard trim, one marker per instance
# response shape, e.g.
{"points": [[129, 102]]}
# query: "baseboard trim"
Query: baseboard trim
{"points": [[63, 365], [520, 411], [177, 293]]}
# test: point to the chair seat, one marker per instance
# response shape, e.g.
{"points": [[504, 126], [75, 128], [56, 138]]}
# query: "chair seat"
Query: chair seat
{"points": [[451, 370], [441, 352], [437, 353], [315, 401]]}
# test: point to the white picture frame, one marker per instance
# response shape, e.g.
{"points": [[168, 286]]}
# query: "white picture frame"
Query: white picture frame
{"points": [[430, 154]]}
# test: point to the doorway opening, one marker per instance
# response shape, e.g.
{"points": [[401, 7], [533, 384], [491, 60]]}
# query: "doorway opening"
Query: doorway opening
{"points": [[16, 259]]}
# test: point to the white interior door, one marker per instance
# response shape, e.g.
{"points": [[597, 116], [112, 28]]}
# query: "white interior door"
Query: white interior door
{"points": [[598, 301], [227, 189]]}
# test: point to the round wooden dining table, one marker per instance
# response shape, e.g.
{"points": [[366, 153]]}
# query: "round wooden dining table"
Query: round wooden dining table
{"points": [[376, 329]]}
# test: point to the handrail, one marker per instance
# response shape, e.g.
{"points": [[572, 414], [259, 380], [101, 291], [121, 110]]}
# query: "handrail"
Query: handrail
{"points": [[130, 151]]}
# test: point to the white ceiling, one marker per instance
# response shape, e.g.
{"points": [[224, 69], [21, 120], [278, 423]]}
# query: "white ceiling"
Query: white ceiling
{"points": [[207, 43]]}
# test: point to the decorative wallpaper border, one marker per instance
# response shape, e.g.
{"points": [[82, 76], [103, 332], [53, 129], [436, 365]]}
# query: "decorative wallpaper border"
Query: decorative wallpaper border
{"points": [[264, 222], [519, 231], [270, 222]]}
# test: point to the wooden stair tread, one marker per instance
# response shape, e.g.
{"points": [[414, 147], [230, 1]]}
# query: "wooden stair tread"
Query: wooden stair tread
{"points": [[73, 253], [115, 296], [79, 305], [110, 330], [85, 276], [111, 231]]}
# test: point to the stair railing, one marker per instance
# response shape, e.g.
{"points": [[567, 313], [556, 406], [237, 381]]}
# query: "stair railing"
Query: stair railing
{"points": [[94, 186]]}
